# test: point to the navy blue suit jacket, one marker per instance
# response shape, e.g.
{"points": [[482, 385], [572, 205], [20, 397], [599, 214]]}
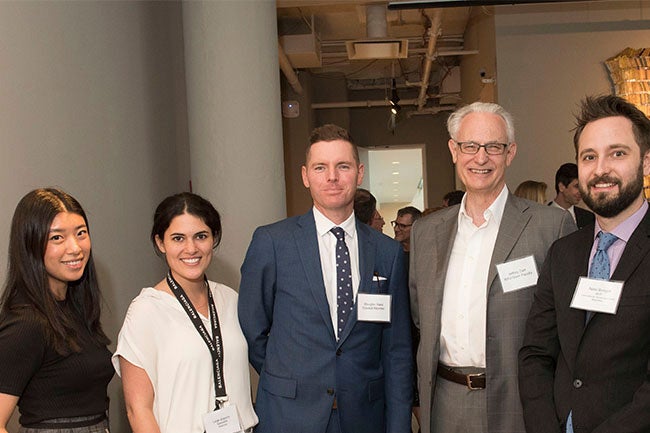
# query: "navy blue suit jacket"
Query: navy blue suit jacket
{"points": [[285, 316]]}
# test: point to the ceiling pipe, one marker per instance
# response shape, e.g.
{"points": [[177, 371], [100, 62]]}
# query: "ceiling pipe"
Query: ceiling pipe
{"points": [[434, 31], [422, 4], [287, 70], [431, 110], [364, 104]]}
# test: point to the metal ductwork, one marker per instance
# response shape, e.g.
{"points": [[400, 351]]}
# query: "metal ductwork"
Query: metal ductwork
{"points": [[378, 45]]}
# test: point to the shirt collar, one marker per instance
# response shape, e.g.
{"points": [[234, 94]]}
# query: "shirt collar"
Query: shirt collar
{"points": [[324, 225], [495, 210], [625, 229]]}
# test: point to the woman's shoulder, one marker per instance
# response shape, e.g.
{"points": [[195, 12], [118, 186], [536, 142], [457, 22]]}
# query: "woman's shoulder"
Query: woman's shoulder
{"points": [[24, 324], [22, 316], [223, 294], [219, 288], [149, 301]]}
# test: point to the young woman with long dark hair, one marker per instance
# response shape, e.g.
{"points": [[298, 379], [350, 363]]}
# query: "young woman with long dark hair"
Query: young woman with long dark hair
{"points": [[54, 364]]}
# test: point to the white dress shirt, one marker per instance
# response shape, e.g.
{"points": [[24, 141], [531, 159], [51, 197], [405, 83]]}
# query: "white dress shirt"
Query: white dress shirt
{"points": [[327, 250], [464, 305]]}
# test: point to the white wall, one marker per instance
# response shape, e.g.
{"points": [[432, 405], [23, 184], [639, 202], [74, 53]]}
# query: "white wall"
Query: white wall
{"points": [[93, 101], [548, 58]]}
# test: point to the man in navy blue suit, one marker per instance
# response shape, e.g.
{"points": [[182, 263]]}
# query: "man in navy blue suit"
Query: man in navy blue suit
{"points": [[326, 367]]}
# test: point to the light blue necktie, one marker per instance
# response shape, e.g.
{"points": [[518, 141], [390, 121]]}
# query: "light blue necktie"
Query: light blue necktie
{"points": [[599, 269], [344, 298], [600, 263]]}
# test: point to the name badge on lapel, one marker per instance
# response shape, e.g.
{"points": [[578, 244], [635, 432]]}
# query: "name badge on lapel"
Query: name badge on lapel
{"points": [[518, 274], [600, 296], [373, 308]]}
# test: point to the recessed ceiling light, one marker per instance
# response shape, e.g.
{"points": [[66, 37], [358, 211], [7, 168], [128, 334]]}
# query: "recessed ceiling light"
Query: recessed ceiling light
{"points": [[396, 182], [395, 162], [396, 172]]}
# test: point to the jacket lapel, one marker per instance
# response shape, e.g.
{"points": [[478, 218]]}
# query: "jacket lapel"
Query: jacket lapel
{"points": [[637, 248], [306, 239], [515, 219], [432, 271], [578, 264]]}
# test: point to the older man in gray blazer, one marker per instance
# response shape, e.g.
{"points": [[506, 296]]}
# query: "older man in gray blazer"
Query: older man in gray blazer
{"points": [[472, 277]]}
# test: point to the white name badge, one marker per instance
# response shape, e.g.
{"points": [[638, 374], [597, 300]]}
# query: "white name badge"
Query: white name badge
{"points": [[373, 308], [224, 420], [600, 296], [518, 274]]}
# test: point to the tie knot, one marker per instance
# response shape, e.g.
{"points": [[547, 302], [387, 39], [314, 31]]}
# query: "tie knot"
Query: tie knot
{"points": [[605, 240], [339, 233]]}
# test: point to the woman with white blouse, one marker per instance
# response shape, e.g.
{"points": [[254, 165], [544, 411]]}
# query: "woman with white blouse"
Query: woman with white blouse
{"points": [[181, 353]]}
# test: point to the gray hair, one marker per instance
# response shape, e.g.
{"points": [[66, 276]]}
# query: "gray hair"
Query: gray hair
{"points": [[453, 123]]}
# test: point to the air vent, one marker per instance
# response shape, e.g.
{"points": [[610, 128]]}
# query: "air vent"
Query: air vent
{"points": [[377, 49]]}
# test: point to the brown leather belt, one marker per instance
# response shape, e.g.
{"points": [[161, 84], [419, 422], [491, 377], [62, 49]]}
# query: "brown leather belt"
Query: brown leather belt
{"points": [[472, 381]]}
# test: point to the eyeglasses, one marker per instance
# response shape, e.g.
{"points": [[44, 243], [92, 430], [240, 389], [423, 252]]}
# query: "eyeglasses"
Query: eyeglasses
{"points": [[472, 147], [401, 226]]}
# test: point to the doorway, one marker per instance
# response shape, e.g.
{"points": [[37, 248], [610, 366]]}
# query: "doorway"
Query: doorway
{"points": [[395, 175]]}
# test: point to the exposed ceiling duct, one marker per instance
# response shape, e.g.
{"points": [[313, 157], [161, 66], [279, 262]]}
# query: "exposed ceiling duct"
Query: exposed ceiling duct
{"points": [[368, 46], [376, 22], [378, 45]]}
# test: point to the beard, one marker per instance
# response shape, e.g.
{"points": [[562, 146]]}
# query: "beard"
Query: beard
{"points": [[609, 207]]}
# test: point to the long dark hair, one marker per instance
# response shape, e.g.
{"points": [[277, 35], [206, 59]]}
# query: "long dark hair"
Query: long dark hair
{"points": [[27, 284]]}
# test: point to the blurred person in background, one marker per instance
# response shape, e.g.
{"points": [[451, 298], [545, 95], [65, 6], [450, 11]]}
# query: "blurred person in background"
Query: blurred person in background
{"points": [[532, 190]]}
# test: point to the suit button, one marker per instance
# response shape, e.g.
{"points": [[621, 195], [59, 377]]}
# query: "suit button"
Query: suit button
{"points": [[338, 352], [577, 383], [330, 391]]}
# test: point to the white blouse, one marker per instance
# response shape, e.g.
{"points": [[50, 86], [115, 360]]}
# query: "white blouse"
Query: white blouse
{"points": [[158, 336]]}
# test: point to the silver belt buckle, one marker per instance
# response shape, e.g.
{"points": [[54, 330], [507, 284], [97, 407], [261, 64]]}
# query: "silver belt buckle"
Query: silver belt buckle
{"points": [[468, 380]]}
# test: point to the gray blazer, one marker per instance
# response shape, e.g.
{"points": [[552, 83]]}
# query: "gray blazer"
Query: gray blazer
{"points": [[526, 228]]}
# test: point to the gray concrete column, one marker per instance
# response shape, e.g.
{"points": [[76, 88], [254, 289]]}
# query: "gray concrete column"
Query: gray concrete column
{"points": [[234, 118]]}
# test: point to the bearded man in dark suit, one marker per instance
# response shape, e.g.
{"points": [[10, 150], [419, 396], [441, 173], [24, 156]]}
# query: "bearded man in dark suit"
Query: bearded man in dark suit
{"points": [[585, 363]]}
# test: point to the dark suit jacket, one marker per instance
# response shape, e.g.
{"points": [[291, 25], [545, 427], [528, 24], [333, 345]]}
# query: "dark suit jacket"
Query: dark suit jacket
{"points": [[600, 371], [527, 228], [284, 314], [583, 217]]}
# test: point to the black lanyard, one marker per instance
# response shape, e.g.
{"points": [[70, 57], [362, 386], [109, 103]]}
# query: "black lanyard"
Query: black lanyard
{"points": [[214, 343]]}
